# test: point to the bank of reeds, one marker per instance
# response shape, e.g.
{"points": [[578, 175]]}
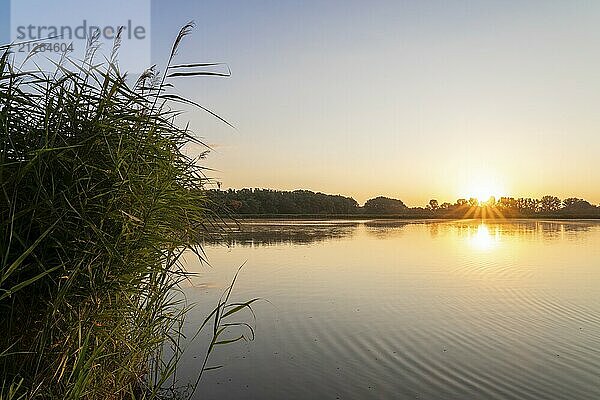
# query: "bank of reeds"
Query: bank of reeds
{"points": [[97, 204]]}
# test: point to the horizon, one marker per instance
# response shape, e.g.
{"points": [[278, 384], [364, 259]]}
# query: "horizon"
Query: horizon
{"points": [[482, 200]]}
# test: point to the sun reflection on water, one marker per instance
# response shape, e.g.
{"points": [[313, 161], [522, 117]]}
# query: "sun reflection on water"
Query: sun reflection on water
{"points": [[483, 239]]}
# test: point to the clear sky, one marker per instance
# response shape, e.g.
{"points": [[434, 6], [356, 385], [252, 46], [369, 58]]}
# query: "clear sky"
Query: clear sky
{"points": [[407, 99]]}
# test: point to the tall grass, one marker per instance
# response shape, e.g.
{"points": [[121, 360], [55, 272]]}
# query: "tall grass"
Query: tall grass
{"points": [[97, 204]]}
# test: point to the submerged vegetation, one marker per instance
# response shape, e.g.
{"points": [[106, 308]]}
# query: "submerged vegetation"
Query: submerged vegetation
{"points": [[257, 202], [97, 204]]}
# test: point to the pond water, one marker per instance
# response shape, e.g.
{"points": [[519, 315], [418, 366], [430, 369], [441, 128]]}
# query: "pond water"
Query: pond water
{"points": [[385, 309]]}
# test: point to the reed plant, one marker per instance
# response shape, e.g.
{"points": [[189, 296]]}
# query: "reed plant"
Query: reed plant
{"points": [[97, 204]]}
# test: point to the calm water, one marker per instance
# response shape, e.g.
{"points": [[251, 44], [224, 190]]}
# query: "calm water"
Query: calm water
{"points": [[397, 310]]}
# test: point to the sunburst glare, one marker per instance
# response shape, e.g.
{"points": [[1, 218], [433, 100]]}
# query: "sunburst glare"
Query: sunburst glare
{"points": [[483, 239]]}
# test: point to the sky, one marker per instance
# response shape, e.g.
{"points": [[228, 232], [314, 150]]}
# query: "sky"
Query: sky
{"points": [[406, 99]]}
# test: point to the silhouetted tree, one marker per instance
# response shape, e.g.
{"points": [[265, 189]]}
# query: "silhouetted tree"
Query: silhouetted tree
{"points": [[433, 204], [507, 203], [578, 207], [527, 205], [549, 204], [265, 201], [445, 206], [573, 201], [384, 205]]}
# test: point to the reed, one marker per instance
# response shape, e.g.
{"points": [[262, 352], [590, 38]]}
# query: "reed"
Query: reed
{"points": [[97, 204]]}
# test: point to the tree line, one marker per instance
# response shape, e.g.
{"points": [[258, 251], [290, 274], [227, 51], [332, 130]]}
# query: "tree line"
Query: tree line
{"points": [[516, 207], [267, 201], [305, 202]]}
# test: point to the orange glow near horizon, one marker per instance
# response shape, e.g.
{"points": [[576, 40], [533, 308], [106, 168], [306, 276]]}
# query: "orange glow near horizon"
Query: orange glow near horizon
{"points": [[484, 185]]}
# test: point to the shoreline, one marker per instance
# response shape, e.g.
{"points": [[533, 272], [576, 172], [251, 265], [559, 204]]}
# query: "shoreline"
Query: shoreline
{"points": [[400, 217]]}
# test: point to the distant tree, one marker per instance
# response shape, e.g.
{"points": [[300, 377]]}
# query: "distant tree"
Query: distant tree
{"points": [[461, 202], [575, 206], [473, 202], [433, 204], [507, 203], [573, 201], [384, 205], [235, 204], [266, 201], [445, 206], [549, 204], [527, 205]]}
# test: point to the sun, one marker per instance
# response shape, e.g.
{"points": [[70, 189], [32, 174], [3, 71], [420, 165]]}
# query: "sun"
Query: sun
{"points": [[483, 194], [483, 191]]}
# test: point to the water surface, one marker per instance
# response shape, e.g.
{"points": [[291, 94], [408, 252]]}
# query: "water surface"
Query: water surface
{"points": [[407, 310]]}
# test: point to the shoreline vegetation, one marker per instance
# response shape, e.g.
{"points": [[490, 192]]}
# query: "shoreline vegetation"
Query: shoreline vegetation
{"points": [[305, 204], [98, 204]]}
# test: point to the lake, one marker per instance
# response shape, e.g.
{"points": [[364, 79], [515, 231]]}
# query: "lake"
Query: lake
{"points": [[388, 309]]}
